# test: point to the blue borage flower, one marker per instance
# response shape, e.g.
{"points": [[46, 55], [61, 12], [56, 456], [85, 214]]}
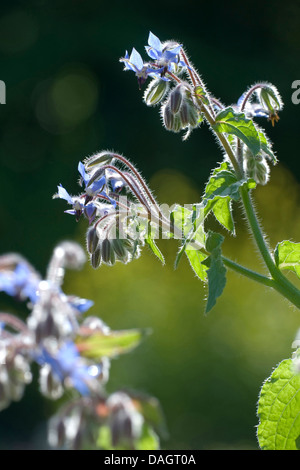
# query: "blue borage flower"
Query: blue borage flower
{"points": [[67, 364], [166, 54], [20, 283], [79, 208], [84, 204], [135, 63]]}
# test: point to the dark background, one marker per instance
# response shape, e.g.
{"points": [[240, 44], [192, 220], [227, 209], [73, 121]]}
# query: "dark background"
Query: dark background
{"points": [[67, 97]]}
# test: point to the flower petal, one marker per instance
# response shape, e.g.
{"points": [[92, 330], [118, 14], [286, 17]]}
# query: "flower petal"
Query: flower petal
{"points": [[154, 42]]}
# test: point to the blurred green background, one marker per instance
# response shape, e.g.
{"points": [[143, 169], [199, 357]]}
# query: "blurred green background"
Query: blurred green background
{"points": [[67, 97]]}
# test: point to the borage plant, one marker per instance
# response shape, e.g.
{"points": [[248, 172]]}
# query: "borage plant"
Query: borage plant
{"points": [[123, 217]]}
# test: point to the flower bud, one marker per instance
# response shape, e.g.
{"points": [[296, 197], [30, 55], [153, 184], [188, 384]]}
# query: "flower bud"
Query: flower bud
{"points": [[257, 168], [96, 257], [99, 159], [168, 117], [270, 99], [50, 387], [156, 91], [119, 249], [175, 99], [188, 114], [92, 239], [108, 254]]}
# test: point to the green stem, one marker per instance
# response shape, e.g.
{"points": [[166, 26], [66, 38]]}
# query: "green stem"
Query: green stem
{"points": [[253, 275], [281, 283]]}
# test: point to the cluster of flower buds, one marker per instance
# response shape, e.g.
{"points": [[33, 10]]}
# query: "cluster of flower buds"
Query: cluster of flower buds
{"points": [[179, 108], [117, 421], [118, 205]]}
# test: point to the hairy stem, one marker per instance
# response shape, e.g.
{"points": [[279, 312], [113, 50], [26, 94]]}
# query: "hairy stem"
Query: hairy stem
{"points": [[282, 284]]}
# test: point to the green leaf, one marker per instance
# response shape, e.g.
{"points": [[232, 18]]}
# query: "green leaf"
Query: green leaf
{"points": [[279, 409], [99, 345], [196, 258], [191, 224], [152, 245], [287, 256], [228, 121], [216, 274], [222, 211], [221, 189]]}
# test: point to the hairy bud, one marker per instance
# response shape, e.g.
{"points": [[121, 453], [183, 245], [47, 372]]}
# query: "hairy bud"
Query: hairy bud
{"points": [[99, 159], [92, 239], [176, 99], [156, 91], [257, 168], [96, 257]]}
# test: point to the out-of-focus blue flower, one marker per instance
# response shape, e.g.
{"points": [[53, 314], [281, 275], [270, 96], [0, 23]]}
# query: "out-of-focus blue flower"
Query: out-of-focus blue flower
{"points": [[21, 283], [82, 305], [68, 364], [135, 63], [166, 55]]}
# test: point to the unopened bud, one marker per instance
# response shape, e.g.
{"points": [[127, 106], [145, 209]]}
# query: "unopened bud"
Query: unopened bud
{"points": [[99, 159], [168, 117], [50, 387], [257, 168], [108, 254], [270, 99], [155, 91], [119, 249], [176, 99], [188, 114], [92, 239], [96, 257]]}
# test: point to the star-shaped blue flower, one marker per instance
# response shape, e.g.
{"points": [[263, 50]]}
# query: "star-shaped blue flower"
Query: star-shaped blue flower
{"points": [[20, 283], [135, 63], [165, 55], [79, 208]]}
